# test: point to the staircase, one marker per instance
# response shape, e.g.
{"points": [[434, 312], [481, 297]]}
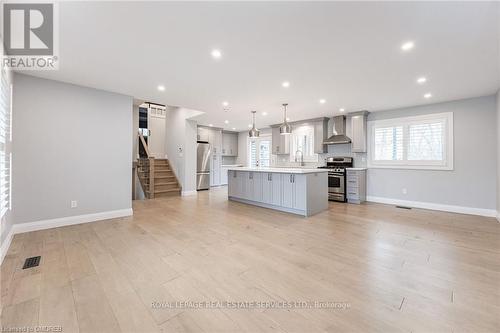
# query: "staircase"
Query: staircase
{"points": [[156, 177]]}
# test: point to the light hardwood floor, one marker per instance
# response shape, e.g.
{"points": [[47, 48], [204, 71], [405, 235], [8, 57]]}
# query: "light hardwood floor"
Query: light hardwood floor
{"points": [[398, 270]]}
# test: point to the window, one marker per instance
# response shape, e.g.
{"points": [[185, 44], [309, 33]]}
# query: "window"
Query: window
{"points": [[421, 142], [302, 139], [259, 152], [5, 140]]}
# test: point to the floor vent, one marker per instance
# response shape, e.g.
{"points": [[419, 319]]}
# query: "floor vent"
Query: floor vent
{"points": [[31, 262], [403, 207]]}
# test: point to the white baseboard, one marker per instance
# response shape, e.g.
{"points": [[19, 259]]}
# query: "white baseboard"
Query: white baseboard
{"points": [[498, 216], [70, 220], [434, 206], [6, 244], [186, 193], [60, 222]]}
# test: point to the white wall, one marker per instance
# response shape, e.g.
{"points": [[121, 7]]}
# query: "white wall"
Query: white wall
{"points": [[472, 183], [181, 133], [69, 143]]}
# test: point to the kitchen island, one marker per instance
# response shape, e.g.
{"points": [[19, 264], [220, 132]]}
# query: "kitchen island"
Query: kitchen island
{"points": [[293, 190]]}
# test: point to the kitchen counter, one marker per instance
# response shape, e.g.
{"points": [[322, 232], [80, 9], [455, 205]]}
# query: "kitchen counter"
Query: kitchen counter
{"points": [[293, 190], [356, 169], [231, 165], [280, 170]]}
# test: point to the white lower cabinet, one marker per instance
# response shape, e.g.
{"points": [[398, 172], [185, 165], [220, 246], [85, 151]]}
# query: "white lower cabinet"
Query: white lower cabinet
{"points": [[303, 194], [271, 188], [287, 194], [254, 186], [356, 186], [267, 188], [230, 186], [276, 180], [300, 192], [294, 191], [235, 186], [241, 182]]}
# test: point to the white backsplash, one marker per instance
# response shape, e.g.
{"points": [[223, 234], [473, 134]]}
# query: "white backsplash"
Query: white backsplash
{"points": [[359, 159], [228, 160]]}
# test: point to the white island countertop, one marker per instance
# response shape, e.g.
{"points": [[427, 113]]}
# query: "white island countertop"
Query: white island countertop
{"points": [[279, 170]]}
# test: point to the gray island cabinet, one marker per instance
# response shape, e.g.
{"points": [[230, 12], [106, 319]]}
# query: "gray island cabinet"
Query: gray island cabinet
{"points": [[298, 191]]}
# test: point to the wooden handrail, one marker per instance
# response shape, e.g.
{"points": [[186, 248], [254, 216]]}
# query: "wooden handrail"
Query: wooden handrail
{"points": [[144, 144]]}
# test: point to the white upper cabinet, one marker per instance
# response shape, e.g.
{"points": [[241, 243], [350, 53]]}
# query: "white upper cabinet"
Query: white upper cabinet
{"points": [[358, 131], [320, 135], [229, 144], [203, 134]]}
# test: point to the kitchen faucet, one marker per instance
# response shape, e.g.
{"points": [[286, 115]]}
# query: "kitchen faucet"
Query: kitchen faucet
{"points": [[301, 157]]}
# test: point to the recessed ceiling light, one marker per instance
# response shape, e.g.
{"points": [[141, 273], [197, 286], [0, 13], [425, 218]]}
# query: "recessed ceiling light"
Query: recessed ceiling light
{"points": [[341, 110], [407, 46], [216, 54], [322, 101], [249, 125], [225, 103], [234, 128], [226, 121], [210, 125], [161, 88], [421, 80], [264, 113], [428, 95], [285, 84], [287, 119]]}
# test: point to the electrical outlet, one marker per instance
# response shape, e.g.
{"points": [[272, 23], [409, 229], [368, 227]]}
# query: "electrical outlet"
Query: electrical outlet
{"points": [[404, 191], [74, 203]]}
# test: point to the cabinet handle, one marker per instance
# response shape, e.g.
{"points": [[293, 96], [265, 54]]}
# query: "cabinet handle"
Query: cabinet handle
{"points": [[290, 178], [293, 176], [270, 176]]}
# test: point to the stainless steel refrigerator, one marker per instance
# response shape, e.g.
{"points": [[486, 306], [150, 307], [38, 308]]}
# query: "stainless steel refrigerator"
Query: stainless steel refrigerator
{"points": [[202, 165]]}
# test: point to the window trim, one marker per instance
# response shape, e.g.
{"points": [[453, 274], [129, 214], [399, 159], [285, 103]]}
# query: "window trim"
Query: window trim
{"points": [[446, 164]]}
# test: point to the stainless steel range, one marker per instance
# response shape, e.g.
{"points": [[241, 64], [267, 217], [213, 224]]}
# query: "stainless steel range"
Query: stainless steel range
{"points": [[337, 177]]}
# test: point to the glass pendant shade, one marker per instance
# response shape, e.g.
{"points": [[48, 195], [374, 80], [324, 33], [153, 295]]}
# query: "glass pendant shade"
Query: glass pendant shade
{"points": [[254, 133], [285, 128]]}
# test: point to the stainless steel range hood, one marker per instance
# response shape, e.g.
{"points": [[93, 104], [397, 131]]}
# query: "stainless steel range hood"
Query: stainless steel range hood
{"points": [[337, 125]]}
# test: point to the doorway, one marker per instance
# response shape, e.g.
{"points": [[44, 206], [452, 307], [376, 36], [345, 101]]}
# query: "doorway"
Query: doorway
{"points": [[152, 126], [259, 152]]}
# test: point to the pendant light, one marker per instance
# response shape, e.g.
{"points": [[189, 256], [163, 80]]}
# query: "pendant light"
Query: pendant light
{"points": [[254, 133], [285, 128]]}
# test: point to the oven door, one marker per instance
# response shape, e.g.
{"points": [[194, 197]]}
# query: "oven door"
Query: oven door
{"points": [[336, 182]]}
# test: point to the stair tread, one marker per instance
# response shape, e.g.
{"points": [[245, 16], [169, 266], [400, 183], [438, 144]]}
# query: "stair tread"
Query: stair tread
{"points": [[177, 189], [167, 183]]}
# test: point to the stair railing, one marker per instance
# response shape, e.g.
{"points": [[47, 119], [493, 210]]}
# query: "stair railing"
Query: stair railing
{"points": [[149, 190]]}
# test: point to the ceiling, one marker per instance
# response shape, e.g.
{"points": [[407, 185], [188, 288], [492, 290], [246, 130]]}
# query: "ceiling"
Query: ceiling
{"points": [[347, 53]]}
